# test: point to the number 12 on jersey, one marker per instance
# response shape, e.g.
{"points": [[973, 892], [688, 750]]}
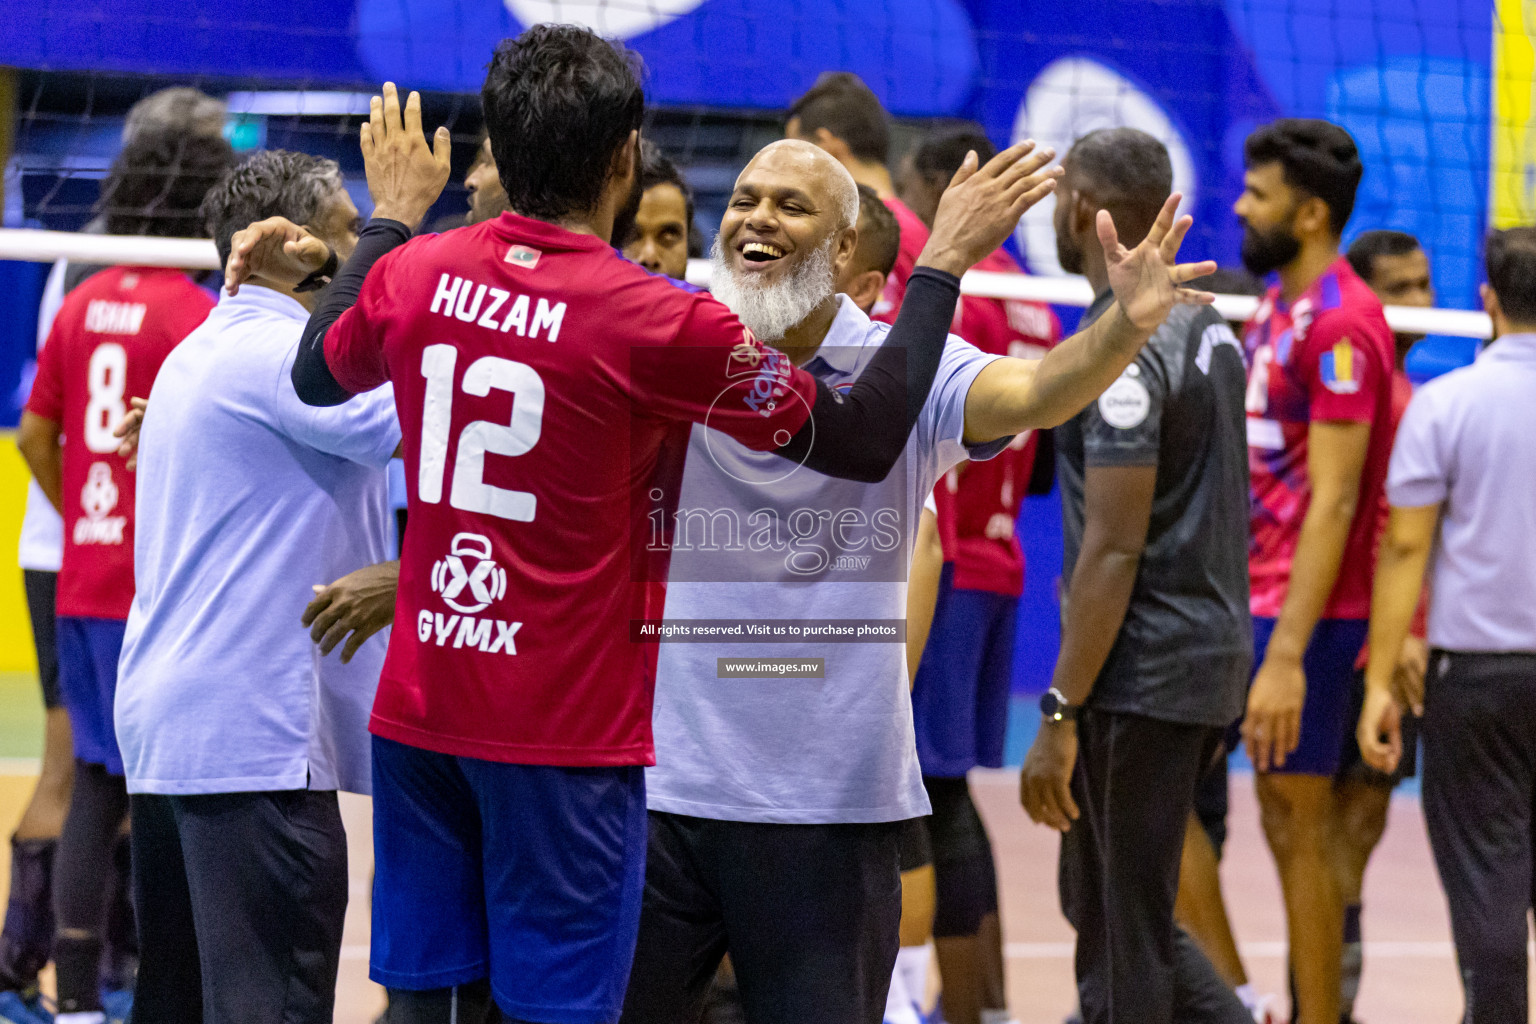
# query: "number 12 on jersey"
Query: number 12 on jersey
{"points": [[470, 492]]}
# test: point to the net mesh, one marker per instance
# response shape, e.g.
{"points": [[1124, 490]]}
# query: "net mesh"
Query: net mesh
{"points": [[1437, 93]]}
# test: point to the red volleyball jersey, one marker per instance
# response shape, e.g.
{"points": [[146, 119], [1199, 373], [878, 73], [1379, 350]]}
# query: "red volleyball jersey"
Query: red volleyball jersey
{"points": [[1327, 356], [976, 524], [106, 346], [544, 385]]}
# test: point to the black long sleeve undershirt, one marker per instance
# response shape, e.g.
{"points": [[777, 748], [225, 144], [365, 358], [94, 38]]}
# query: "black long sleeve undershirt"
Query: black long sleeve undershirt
{"points": [[859, 435], [312, 378]]}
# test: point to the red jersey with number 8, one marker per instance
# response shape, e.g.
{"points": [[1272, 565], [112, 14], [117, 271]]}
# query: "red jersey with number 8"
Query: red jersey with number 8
{"points": [[545, 387], [106, 346]]}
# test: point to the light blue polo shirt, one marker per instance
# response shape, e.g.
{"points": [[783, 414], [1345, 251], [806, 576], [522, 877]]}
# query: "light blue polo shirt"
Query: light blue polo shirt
{"points": [[756, 539], [247, 498], [1468, 443]]}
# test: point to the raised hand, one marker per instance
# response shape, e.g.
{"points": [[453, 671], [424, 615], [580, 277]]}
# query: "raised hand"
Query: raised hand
{"points": [[982, 206], [1148, 279], [275, 249], [405, 177]]}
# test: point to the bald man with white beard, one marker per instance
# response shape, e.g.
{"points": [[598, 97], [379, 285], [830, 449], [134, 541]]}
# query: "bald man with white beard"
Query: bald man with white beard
{"points": [[785, 754]]}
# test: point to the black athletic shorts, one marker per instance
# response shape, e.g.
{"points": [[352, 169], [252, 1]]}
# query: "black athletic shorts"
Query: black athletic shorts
{"points": [[41, 589]]}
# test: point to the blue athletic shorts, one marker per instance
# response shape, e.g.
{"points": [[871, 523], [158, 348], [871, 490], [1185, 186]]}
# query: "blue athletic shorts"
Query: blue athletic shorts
{"points": [[88, 651], [1327, 716], [530, 875], [960, 698]]}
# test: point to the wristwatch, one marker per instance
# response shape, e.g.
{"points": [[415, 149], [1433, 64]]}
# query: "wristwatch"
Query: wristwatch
{"points": [[322, 277], [1054, 707]]}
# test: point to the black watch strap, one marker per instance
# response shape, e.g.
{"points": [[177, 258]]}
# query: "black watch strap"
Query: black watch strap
{"points": [[322, 277], [1054, 707]]}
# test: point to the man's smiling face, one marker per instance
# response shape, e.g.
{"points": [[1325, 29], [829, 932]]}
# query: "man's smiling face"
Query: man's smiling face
{"points": [[786, 206], [790, 229]]}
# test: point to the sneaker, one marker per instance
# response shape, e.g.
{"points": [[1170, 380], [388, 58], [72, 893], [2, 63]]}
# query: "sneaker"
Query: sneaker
{"points": [[117, 1004], [1264, 1011], [14, 1009]]}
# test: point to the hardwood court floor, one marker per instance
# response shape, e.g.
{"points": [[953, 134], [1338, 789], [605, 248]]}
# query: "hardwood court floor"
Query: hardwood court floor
{"points": [[1410, 976], [1410, 973]]}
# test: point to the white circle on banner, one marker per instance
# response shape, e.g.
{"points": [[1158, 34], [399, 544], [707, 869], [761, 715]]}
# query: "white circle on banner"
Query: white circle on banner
{"points": [[1069, 98], [1125, 404], [616, 20]]}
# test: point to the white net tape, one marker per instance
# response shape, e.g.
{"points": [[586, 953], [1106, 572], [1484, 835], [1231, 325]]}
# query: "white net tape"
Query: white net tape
{"points": [[198, 254]]}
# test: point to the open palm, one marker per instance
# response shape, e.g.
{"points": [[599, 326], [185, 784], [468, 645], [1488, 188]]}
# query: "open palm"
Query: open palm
{"points": [[1147, 280]]}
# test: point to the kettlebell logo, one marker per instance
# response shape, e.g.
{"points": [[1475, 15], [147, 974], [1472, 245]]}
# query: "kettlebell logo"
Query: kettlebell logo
{"points": [[99, 495], [468, 578]]}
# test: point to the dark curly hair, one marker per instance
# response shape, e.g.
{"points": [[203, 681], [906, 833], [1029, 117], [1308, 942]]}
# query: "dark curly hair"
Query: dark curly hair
{"points": [[1317, 157], [559, 101], [158, 181]]}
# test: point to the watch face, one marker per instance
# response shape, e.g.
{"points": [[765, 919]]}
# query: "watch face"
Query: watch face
{"points": [[1050, 704]]}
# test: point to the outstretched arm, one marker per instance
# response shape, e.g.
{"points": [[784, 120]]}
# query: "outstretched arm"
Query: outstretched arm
{"points": [[862, 434], [1013, 395]]}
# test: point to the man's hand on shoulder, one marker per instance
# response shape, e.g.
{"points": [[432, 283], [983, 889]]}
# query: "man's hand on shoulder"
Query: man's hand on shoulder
{"points": [[276, 250]]}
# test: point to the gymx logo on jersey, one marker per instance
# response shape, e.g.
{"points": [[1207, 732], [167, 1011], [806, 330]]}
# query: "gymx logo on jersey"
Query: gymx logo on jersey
{"points": [[486, 581], [97, 499], [469, 581]]}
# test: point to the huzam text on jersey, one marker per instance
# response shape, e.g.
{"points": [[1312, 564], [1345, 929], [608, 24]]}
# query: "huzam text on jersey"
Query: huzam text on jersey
{"points": [[485, 306]]}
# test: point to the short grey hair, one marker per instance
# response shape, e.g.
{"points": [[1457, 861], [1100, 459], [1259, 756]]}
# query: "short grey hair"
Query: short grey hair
{"points": [[846, 192], [181, 108], [270, 183]]}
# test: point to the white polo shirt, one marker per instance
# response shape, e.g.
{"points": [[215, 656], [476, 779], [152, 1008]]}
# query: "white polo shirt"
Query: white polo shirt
{"points": [[1465, 443], [755, 539], [247, 498]]}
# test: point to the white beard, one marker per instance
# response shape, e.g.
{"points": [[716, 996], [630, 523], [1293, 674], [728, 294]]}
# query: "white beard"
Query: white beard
{"points": [[771, 311]]}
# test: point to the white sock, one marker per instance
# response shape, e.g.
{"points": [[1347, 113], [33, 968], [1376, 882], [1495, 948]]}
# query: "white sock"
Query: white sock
{"points": [[86, 1017], [898, 1005], [912, 964], [996, 1016]]}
